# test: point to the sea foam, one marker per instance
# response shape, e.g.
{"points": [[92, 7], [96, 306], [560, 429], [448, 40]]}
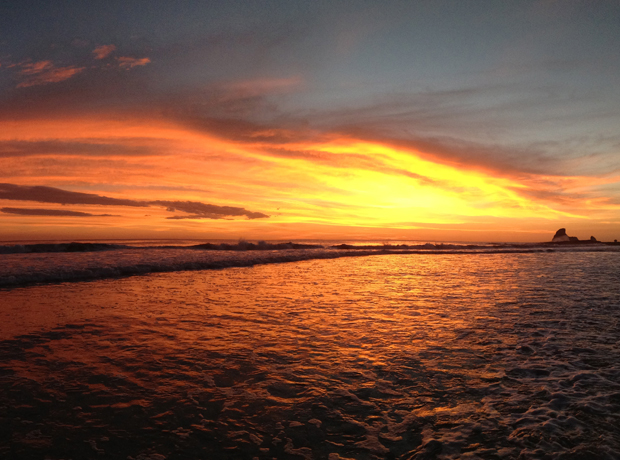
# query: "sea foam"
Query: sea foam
{"points": [[64, 262]]}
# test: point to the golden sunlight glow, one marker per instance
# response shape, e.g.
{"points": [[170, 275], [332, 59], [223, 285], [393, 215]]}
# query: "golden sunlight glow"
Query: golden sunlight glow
{"points": [[330, 181], [386, 186]]}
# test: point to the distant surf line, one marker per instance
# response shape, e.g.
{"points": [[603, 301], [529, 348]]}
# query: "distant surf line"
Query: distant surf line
{"points": [[165, 260]]}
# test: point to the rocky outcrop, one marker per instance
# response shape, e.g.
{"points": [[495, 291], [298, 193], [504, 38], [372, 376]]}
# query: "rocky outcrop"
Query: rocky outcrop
{"points": [[560, 236]]}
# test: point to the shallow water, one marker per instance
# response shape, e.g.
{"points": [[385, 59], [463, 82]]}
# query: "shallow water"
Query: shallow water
{"points": [[19, 268], [395, 356]]}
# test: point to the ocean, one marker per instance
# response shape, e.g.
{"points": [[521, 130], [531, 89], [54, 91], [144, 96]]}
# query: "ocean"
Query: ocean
{"points": [[408, 350]]}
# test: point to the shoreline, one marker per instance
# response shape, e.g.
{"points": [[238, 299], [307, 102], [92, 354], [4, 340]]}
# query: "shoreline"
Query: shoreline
{"points": [[27, 269]]}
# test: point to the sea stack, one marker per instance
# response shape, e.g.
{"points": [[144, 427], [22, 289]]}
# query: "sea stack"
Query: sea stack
{"points": [[560, 236]]}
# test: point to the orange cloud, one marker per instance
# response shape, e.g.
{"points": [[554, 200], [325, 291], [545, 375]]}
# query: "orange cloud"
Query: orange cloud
{"points": [[43, 72], [317, 180], [103, 51], [129, 62], [33, 68]]}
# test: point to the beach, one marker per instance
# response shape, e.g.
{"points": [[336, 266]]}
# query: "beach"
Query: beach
{"points": [[298, 230], [386, 356]]}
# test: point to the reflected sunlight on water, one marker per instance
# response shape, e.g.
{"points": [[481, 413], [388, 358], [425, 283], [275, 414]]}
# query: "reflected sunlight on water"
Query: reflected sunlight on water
{"points": [[399, 356]]}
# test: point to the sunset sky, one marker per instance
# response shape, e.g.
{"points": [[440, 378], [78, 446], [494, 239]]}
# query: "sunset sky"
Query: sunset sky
{"points": [[432, 120]]}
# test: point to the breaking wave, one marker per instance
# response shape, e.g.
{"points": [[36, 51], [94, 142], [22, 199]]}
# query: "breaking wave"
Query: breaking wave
{"points": [[65, 262]]}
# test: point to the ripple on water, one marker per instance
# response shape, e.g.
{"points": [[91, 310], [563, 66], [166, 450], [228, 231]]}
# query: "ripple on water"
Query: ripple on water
{"points": [[438, 356]]}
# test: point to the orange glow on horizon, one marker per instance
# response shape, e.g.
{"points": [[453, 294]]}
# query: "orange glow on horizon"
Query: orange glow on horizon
{"points": [[331, 181]]}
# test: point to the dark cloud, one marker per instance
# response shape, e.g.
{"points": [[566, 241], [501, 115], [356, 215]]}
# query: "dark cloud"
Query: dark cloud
{"points": [[196, 216], [44, 194], [514, 161], [92, 149], [50, 212], [199, 210], [450, 127], [494, 127], [196, 209]]}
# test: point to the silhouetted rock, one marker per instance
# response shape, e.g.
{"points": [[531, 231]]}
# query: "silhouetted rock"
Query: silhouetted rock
{"points": [[560, 236]]}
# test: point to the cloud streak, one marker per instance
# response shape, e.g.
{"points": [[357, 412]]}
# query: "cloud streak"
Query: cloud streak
{"points": [[199, 210], [51, 212], [94, 148], [125, 62], [42, 194], [44, 72]]}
